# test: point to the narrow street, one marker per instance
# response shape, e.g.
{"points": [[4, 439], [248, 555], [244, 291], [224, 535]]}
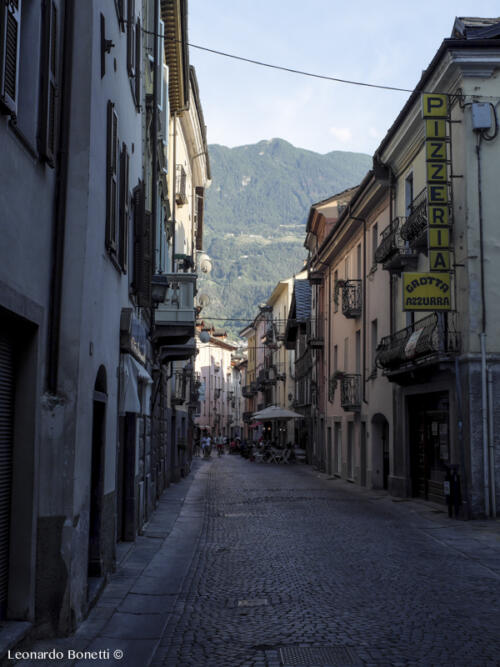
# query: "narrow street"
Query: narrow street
{"points": [[289, 559], [249, 564]]}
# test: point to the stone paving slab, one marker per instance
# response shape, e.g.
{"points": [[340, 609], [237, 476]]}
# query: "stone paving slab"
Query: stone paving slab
{"points": [[147, 604]]}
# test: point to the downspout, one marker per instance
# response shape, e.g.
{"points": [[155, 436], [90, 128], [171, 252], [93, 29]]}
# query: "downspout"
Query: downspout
{"points": [[174, 173], [391, 282], [59, 228], [491, 445], [482, 336], [364, 313]]}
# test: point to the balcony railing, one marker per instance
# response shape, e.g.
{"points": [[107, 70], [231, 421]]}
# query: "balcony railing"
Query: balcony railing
{"points": [[427, 340], [247, 417], [413, 230], [176, 313], [350, 392], [393, 251], [352, 298], [314, 334], [248, 390]]}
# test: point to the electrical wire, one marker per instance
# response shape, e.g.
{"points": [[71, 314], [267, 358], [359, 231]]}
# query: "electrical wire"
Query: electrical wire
{"points": [[325, 77]]}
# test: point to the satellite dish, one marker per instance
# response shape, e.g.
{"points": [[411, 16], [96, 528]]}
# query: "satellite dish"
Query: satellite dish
{"points": [[204, 336], [203, 300]]}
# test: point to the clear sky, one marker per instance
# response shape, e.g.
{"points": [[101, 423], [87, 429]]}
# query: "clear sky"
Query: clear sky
{"points": [[388, 42]]}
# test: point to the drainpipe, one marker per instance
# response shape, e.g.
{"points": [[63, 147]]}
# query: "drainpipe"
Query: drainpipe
{"points": [[492, 445], [364, 312], [174, 172], [54, 324], [482, 336]]}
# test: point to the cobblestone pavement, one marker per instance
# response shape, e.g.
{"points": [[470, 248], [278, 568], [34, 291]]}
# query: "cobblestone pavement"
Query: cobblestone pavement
{"points": [[295, 568]]}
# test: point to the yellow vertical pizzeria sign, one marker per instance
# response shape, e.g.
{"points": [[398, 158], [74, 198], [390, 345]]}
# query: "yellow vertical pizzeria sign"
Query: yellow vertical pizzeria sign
{"points": [[432, 291]]}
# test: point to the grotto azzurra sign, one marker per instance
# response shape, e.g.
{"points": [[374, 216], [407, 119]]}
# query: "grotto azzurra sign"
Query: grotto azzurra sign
{"points": [[426, 291]]}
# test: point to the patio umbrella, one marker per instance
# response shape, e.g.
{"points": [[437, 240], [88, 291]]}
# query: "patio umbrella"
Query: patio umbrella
{"points": [[276, 412]]}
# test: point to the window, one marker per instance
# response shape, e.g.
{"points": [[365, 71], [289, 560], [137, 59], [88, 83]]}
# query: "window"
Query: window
{"points": [[337, 444], [112, 180], [28, 83], [408, 194], [49, 83], [134, 52], [374, 243], [350, 452], [117, 194], [346, 354], [358, 257], [335, 358], [120, 13], [358, 351], [374, 336], [142, 248], [124, 209], [10, 41], [336, 292], [131, 37]]}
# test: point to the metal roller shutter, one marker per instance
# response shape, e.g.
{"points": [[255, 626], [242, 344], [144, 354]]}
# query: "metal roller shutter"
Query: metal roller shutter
{"points": [[6, 440]]}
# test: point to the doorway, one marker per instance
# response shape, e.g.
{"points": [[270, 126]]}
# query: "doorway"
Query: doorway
{"points": [[380, 452], [95, 562], [429, 444]]}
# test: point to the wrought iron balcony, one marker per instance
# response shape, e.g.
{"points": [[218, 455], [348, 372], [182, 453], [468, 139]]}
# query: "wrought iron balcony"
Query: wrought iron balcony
{"points": [[429, 341], [248, 390], [350, 392], [393, 252], [247, 417], [175, 316], [415, 227], [314, 330], [352, 298]]}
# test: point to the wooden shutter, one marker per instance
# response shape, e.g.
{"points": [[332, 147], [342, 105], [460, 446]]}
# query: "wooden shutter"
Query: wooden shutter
{"points": [[131, 37], [124, 208], [143, 266], [112, 177], [49, 82], [10, 37], [137, 83], [120, 13], [199, 216]]}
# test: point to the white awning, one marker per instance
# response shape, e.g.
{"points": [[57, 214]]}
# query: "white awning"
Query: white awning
{"points": [[135, 386]]}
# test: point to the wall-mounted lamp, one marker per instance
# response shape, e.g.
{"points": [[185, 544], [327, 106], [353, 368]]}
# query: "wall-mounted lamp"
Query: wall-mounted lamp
{"points": [[159, 286]]}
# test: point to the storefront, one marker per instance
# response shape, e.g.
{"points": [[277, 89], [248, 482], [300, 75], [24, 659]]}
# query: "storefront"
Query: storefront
{"points": [[429, 416]]}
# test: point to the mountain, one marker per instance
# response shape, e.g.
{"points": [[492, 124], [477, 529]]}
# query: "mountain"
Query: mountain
{"points": [[255, 215]]}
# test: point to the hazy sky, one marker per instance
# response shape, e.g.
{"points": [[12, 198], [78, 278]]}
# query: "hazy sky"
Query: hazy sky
{"points": [[388, 42]]}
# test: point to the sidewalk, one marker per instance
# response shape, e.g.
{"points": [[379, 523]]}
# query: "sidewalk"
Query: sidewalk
{"points": [[477, 539], [129, 619]]}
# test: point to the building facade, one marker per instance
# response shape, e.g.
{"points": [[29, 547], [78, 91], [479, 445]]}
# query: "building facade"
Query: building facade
{"points": [[86, 361]]}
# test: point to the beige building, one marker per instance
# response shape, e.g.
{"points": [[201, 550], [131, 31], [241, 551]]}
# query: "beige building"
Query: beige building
{"points": [[444, 364], [350, 306]]}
